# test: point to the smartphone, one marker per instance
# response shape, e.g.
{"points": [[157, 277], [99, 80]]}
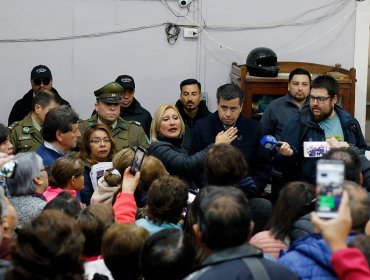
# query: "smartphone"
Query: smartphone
{"points": [[329, 182], [8, 169], [191, 196], [138, 160], [315, 148]]}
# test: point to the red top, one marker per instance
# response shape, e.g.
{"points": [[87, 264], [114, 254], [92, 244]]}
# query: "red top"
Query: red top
{"points": [[125, 208], [350, 264]]}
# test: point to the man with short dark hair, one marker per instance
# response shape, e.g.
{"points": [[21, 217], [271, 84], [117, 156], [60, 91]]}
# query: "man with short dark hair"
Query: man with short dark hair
{"points": [[41, 78], [60, 133], [25, 135], [325, 120], [222, 231], [131, 109], [284, 108], [107, 107], [191, 108], [230, 100]]}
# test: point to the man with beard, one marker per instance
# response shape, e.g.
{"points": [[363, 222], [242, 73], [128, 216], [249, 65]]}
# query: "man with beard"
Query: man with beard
{"points": [[284, 108], [325, 120], [191, 108], [280, 112]]}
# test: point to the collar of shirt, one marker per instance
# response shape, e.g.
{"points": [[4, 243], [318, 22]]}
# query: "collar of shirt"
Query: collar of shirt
{"points": [[113, 125], [53, 147], [35, 123]]}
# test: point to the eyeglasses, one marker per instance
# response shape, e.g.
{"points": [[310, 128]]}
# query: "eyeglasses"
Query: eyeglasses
{"points": [[97, 141], [46, 169], [44, 81], [319, 100]]}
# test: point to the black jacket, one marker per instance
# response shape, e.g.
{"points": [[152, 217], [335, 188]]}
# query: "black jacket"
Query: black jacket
{"points": [[137, 113], [24, 105], [250, 133], [178, 162], [304, 129], [236, 263], [190, 123]]}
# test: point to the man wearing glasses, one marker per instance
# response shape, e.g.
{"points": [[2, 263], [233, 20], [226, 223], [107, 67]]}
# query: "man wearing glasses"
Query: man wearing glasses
{"points": [[325, 120], [41, 78]]}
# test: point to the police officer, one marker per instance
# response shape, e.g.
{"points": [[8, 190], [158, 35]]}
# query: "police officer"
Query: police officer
{"points": [[25, 135], [107, 107]]}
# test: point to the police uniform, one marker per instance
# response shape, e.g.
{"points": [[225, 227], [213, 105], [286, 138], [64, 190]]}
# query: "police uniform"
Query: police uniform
{"points": [[125, 133], [24, 136]]}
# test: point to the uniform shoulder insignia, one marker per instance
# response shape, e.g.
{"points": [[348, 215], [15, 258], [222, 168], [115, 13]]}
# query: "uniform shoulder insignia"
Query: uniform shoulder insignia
{"points": [[14, 124], [136, 122]]}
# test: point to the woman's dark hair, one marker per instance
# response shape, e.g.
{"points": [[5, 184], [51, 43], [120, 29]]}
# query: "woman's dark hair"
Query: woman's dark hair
{"points": [[85, 151], [65, 203], [94, 220], [4, 133], [167, 198], [63, 169], [121, 248], [225, 165], [168, 254], [48, 247], [295, 200]]}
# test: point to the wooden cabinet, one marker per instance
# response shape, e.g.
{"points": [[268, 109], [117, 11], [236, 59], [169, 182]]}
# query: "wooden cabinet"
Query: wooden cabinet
{"points": [[256, 87]]}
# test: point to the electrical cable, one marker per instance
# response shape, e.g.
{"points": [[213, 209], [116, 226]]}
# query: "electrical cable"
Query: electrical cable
{"points": [[173, 12], [172, 32]]}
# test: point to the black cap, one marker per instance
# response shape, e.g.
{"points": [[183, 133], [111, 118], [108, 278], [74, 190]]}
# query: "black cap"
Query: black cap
{"points": [[41, 71], [126, 81]]}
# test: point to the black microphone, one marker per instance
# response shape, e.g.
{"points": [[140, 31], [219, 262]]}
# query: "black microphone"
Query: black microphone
{"points": [[269, 142]]}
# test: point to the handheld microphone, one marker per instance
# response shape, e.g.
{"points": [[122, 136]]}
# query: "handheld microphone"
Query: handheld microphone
{"points": [[269, 142]]}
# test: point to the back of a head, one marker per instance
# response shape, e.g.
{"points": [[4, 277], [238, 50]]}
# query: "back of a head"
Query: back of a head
{"points": [[65, 203], [121, 246], [151, 169], [327, 82], [28, 167], [120, 161], [359, 204], [63, 169], [167, 198], [44, 98], [224, 218], [225, 165], [352, 162], [295, 200], [168, 254], [362, 242], [4, 133], [229, 92], [60, 118], [94, 220], [42, 253]]}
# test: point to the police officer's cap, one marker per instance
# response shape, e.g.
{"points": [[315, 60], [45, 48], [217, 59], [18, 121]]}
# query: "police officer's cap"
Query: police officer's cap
{"points": [[110, 93]]}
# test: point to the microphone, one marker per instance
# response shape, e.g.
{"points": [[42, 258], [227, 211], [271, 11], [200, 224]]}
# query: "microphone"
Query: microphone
{"points": [[269, 142]]}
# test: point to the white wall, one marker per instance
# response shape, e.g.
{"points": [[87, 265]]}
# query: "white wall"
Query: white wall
{"points": [[82, 65]]}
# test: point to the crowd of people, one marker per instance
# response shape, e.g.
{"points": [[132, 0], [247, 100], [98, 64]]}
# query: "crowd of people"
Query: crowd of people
{"points": [[208, 200]]}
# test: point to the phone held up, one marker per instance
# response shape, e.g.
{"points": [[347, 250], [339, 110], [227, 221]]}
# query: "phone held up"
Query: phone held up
{"points": [[138, 160], [329, 182], [8, 169]]}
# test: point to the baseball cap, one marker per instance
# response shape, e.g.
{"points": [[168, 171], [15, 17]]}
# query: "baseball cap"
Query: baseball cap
{"points": [[41, 71], [110, 93], [126, 81]]}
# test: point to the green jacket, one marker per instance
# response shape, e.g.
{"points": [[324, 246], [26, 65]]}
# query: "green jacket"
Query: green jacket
{"points": [[125, 133], [24, 136]]}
